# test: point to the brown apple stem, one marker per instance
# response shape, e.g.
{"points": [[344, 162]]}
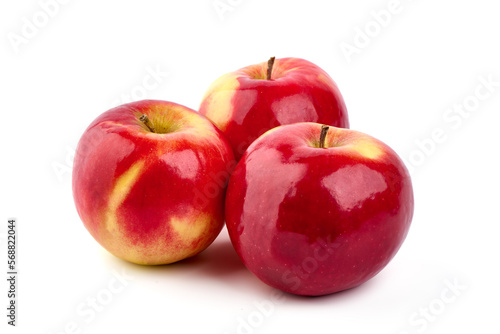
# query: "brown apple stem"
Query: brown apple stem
{"points": [[270, 64], [322, 136], [145, 119]]}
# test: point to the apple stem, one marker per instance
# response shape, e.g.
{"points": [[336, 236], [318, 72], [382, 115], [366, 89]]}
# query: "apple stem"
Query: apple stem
{"points": [[270, 64], [322, 137], [145, 119]]}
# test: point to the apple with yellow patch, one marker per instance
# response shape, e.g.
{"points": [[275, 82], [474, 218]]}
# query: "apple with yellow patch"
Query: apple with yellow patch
{"points": [[313, 210], [246, 103], [149, 181]]}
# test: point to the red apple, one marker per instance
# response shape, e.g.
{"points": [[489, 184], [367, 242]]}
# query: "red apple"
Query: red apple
{"points": [[149, 181], [315, 220], [246, 103]]}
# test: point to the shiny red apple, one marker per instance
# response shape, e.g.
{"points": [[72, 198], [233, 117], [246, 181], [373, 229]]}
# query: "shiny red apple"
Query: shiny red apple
{"points": [[246, 103], [313, 211], [149, 181]]}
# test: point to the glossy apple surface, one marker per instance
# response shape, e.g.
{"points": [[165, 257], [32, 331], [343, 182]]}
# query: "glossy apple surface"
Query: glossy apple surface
{"points": [[314, 221], [245, 103], [151, 189]]}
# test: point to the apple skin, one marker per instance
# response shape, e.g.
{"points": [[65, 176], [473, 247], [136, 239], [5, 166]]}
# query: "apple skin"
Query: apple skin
{"points": [[152, 198], [314, 221], [244, 104]]}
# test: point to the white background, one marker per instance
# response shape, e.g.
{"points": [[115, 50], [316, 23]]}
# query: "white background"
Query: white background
{"points": [[398, 87]]}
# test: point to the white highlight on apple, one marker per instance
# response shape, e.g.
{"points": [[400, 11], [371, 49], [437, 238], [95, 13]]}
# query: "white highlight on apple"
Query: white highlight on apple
{"points": [[453, 118], [421, 319], [363, 36], [222, 7], [88, 309], [39, 20]]}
